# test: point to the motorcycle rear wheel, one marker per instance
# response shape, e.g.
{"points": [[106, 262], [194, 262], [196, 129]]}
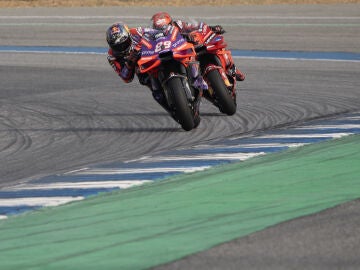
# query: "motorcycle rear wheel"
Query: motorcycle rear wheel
{"points": [[225, 101], [183, 112]]}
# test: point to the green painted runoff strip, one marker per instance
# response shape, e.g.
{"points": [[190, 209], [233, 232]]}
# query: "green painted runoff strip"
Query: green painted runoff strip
{"points": [[164, 221]]}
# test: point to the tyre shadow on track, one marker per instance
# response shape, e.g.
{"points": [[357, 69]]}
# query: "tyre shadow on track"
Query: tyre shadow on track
{"points": [[76, 130], [138, 114]]}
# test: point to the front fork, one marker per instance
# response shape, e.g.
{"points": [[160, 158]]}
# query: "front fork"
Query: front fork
{"points": [[220, 59], [187, 76]]}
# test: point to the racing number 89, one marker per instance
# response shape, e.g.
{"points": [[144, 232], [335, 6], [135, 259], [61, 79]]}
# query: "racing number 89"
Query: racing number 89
{"points": [[162, 45]]}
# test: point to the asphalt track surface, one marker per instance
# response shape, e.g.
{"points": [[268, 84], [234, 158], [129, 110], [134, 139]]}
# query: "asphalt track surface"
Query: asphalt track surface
{"points": [[60, 112]]}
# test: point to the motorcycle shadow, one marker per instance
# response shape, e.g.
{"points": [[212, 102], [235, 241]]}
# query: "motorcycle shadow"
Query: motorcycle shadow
{"points": [[213, 114]]}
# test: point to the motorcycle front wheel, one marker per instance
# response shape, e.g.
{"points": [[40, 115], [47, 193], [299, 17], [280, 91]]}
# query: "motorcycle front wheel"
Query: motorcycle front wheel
{"points": [[225, 101], [183, 111]]}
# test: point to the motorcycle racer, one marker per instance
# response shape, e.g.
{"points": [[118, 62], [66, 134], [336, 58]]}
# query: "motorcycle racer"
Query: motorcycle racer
{"points": [[124, 52], [161, 19]]}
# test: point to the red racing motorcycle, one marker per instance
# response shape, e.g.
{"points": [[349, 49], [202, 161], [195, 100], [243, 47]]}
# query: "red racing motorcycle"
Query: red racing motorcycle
{"points": [[166, 57], [214, 61]]}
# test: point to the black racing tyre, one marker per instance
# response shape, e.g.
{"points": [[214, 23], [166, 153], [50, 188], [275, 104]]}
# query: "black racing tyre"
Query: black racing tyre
{"points": [[183, 112], [226, 103]]}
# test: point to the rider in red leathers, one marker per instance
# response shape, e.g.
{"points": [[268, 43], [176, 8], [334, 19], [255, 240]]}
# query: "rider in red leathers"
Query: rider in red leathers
{"points": [[162, 19]]}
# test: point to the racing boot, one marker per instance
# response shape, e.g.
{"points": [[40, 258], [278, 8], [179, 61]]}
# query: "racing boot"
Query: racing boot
{"points": [[144, 79], [199, 83], [198, 80], [234, 71], [158, 95], [197, 112]]}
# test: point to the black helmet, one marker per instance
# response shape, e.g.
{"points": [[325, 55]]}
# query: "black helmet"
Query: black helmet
{"points": [[118, 37]]}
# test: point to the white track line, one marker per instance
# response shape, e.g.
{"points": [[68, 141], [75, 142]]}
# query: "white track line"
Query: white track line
{"points": [[251, 145], [3, 217], [319, 135], [341, 126], [349, 118], [76, 171], [39, 201], [140, 171], [235, 156], [80, 185], [294, 59], [51, 52]]}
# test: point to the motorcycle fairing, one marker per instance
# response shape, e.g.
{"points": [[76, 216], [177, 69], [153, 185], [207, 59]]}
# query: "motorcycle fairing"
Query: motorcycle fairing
{"points": [[162, 47]]}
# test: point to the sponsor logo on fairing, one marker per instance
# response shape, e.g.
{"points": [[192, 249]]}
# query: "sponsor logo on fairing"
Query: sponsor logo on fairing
{"points": [[159, 35], [147, 52], [210, 38], [205, 28], [177, 43]]}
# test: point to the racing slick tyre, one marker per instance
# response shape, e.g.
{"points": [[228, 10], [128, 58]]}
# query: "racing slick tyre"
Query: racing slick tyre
{"points": [[183, 111], [225, 101]]}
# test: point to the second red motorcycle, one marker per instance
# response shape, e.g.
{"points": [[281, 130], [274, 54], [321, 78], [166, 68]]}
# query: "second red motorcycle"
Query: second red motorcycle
{"points": [[214, 61]]}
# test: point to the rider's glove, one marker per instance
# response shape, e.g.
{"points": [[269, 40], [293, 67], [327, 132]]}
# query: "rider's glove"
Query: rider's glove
{"points": [[188, 37], [218, 29], [192, 38], [132, 58]]}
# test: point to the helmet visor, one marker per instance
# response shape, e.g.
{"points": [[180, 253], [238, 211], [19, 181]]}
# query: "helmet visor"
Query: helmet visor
{"points": [[122, 46]]}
